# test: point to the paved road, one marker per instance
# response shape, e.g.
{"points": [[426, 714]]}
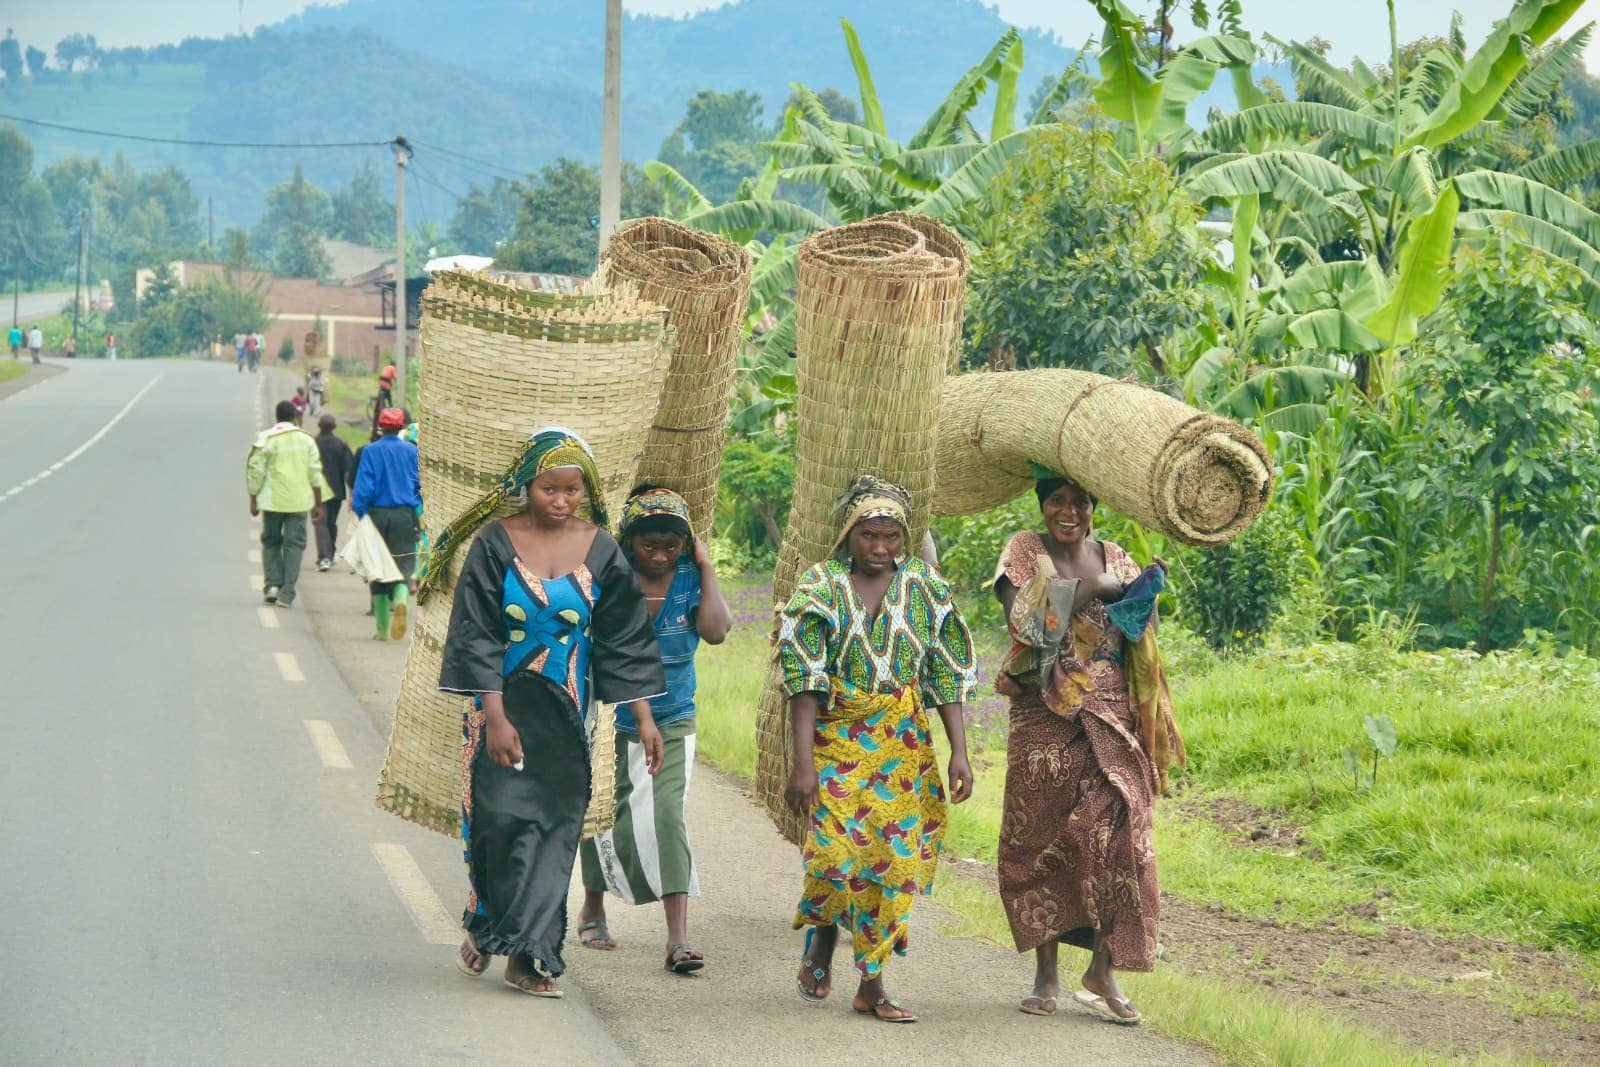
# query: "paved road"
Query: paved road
{"points": [[186, 879], [32, 306]]}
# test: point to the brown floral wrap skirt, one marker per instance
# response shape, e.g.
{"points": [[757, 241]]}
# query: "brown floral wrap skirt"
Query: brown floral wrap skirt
{"points": [[1076, 856]]}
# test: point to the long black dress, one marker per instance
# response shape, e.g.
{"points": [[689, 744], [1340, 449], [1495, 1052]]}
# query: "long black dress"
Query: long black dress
{"points": [[551, 646]]}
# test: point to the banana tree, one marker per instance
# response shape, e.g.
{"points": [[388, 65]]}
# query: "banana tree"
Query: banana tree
{"points": [[1385, 164]]}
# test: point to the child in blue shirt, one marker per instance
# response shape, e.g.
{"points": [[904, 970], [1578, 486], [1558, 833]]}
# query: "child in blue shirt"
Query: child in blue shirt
{"points": [[647, 858]]}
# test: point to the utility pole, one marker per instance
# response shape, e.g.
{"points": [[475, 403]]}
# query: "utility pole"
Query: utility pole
{"points": [[402, 155], [611, 127], [77, 282], [211, 227]]}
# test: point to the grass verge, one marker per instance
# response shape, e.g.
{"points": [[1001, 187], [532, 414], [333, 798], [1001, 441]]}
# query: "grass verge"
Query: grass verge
{"points": [[13, 368]]}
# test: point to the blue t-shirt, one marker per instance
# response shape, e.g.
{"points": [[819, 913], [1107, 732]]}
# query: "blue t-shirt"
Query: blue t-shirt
{"points": [[678, 638]]}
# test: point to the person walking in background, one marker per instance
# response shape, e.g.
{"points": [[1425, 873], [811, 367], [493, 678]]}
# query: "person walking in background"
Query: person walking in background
{"points": [[252, 350], [283, 475], [1092, 739], [35, 343], [339, 470], [871, 637], [238, 352], [645, 857], [388, 487], [69, 348], [16, 342], [316, 388], [384, 400], [300, 401], [111, 346]]}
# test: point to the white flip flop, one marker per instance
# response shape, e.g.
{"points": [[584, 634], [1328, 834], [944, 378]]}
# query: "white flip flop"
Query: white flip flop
{"points": [[1097, 1004]]}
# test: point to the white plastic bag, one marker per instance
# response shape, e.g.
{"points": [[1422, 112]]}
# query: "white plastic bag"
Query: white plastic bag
{"points": [[367, 554]]}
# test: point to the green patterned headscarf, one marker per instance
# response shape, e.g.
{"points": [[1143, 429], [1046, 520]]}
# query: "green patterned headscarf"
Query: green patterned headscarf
{"points": [[552, 448]]}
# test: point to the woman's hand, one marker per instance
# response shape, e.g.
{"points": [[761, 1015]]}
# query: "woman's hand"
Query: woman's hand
{"points": [[654, 747], [960, 778], [702, 554], [801, 791], [505, 745]]}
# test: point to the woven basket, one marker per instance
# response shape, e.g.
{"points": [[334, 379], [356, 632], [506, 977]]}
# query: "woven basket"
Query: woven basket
{"points": [[879, 316], [1197, 478], [704, 283], [498, 362]]}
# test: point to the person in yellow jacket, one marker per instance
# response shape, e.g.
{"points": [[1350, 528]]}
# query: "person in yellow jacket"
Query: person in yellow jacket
{"points": [[283, 476]]}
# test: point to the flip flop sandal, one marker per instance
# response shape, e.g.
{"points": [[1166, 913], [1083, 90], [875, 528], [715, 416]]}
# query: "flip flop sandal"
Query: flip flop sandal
{"points": [[601, 935], [465, 968], [819, 975], [550, 992], [1037, 1006], [876, 1012], [1102, 1007], [681, 959]]}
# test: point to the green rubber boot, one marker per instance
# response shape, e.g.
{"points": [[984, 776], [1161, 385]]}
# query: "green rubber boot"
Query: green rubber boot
{"points": [[397, 624], [380, 612]]}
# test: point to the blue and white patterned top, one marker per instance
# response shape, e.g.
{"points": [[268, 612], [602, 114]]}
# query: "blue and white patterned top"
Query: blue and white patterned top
{"points": [[679, 640]]}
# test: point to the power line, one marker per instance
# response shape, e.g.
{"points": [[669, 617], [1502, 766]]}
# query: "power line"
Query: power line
{"points": [[426, 180], [195, 143], [507, 171], [473, 176]]}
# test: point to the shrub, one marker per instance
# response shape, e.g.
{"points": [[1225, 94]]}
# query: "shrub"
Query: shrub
{"points": [[286, 350], [1231, 594]]}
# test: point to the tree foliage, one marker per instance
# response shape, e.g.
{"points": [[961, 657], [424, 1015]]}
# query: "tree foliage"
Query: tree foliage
{"points": [[1094, 261], [553, 232]]}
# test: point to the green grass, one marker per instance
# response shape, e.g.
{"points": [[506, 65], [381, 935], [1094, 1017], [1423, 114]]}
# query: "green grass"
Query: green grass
{"points": [[348, 398], [13, 368], [1486, 819]]}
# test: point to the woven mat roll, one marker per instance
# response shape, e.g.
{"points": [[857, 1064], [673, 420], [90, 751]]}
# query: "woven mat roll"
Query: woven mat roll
{"points": [[704, 283], [878, 322], [1197, 478], [497, 363]]}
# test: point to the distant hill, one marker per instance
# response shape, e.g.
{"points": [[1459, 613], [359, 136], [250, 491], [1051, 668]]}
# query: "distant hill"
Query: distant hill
{"points": [[515, 83], [917, 49]]}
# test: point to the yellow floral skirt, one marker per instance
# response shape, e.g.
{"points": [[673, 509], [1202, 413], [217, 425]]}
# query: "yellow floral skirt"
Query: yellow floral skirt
{"points": [[878, 828]]}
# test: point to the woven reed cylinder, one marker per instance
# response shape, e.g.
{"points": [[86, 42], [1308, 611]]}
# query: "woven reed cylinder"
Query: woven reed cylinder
{"points": [[879, 316], [1195, 477], [704, 283], [497, 363]]}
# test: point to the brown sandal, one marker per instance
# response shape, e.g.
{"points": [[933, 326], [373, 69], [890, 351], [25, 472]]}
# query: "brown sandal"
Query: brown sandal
{"points": [[681, 959], [536, 985]]}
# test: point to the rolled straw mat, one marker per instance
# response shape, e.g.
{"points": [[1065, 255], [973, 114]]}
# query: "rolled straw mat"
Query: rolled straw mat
{"points": [[497, 363], [1195, 477], [878, 321], [704, 283]]}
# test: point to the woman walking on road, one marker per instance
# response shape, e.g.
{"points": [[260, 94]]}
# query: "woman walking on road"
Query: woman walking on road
{"points": [[546, 620], [1092, 738], [646, 857], [870, 638]]}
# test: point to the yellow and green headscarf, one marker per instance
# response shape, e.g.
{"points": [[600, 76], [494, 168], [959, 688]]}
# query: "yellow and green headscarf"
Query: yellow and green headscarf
{"points": [[655, 502], [549, 449], [870, 497]]}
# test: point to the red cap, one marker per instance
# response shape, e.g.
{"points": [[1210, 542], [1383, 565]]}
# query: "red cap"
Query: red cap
{"points": [[391, 419]]}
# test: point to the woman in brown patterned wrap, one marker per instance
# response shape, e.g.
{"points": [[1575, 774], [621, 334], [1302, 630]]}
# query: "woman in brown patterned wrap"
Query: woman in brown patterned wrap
{"points": [[1077, 865]]}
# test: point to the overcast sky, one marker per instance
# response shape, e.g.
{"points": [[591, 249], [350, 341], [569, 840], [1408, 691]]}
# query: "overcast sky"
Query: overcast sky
{"points": [[1356, 27]]}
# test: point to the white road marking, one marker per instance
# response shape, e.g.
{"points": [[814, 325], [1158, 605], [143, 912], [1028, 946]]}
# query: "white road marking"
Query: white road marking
{"points": [[81, 449], [288, 666], [268, 617], [253, 556], [411, 886], [327, 744]]}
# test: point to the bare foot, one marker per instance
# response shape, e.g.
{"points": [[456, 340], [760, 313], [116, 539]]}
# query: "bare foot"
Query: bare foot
{"points": [[1101, 980]]}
